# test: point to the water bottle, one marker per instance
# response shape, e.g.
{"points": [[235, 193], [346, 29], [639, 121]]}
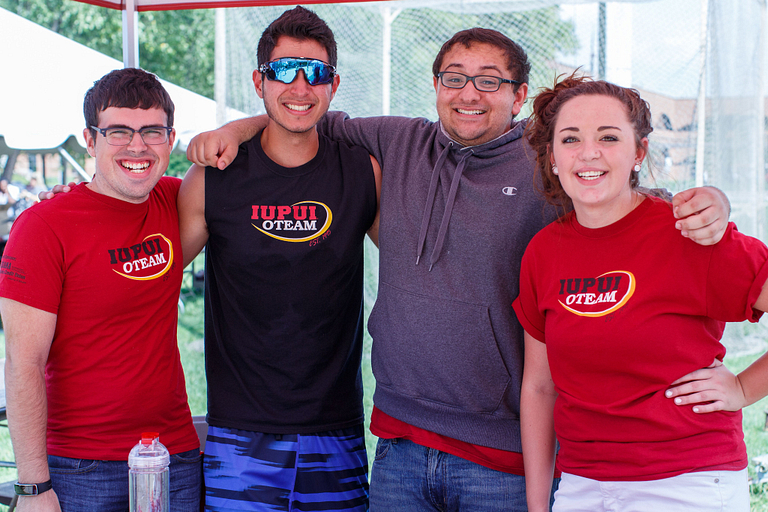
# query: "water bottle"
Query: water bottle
{"points": [[148, 475]]}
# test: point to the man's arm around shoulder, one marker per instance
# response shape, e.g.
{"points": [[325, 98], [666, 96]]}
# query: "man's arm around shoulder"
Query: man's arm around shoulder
{"points": [[373, 231], [703, 214], [28, 337], [191, 204], [218, 148]]}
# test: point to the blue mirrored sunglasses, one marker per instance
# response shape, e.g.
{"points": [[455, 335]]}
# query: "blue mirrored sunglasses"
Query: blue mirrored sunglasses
{"points": [[285, 70]]}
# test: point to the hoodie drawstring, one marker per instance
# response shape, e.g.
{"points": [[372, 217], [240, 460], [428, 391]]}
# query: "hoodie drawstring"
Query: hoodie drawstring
{"points": [[431, 200], [448, 205]]}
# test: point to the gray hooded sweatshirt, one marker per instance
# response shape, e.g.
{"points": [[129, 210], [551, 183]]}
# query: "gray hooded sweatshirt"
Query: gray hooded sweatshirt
{"points": [[455, 221]]}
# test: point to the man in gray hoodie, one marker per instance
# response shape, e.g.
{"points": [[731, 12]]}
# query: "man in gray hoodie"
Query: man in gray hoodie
{"points": [[458, 207]]}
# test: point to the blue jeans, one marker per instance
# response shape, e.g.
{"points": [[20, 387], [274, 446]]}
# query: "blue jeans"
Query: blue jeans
{"points": [[409, 477], [89, 485]]}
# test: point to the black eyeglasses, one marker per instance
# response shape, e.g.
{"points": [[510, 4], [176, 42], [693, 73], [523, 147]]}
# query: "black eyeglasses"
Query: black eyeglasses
{"points": [[484, 83], [285, 70], [123, 136]]}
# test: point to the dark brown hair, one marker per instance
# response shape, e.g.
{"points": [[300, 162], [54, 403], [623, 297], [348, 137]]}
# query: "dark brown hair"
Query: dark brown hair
{"points": [[517, 59], [126, 88], [298, 23], [546, 107]]}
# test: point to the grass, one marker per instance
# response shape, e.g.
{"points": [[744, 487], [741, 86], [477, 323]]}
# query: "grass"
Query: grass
{"points": [[755, 435]]}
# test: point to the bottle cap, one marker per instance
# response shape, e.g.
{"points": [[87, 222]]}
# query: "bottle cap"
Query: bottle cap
{"points": [[148, 437], [149, 453]]}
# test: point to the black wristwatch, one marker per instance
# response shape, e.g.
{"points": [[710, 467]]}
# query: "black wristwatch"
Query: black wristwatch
{"points": [[32, 489]]}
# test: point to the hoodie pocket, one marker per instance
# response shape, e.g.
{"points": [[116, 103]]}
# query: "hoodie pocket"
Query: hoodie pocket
{"points": [[437, 350]]}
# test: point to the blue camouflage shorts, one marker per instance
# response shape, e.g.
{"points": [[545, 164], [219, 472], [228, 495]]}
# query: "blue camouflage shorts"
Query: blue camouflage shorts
{"points": [[326, 471]]}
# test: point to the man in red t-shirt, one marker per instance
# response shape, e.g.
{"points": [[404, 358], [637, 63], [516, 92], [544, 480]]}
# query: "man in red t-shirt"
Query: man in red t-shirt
{"points": [[89, 287]]}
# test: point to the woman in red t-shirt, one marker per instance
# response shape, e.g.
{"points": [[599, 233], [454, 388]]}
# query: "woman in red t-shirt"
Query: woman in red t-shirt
{"points": [[617, 306]]}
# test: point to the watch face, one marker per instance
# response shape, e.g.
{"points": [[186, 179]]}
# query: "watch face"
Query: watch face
{"points": [[26, 489], [31, 489]]}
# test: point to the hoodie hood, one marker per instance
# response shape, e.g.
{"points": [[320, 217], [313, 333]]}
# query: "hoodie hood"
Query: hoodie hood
{"points": [[488, 149]]}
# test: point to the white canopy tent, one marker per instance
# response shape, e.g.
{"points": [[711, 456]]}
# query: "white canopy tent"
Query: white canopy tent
{"points": [[46, 77]]}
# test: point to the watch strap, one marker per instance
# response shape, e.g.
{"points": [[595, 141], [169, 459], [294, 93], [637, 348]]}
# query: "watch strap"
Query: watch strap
{"points": [[32, 489]]}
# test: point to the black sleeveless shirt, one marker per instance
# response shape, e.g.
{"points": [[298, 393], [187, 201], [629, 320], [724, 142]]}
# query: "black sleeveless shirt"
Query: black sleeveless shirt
{"points": [[284, 289]]}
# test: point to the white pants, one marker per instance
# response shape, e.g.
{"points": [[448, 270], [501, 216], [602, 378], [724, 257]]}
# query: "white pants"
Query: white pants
{"points": [[705, 491]]}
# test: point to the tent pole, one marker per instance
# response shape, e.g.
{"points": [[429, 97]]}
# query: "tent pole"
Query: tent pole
{"points": [[10, 164], [758, 191], [701, 104], [388, 17], [601, 41], [76, 166], [130, 35], [220, 70]]}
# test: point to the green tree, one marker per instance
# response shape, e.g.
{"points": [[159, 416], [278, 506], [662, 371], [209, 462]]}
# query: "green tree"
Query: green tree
{"points": [[178, 46]]}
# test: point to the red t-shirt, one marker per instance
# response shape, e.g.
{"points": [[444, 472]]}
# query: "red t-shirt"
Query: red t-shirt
{"points": [[111, 272], [387, 427], [625, 310]]}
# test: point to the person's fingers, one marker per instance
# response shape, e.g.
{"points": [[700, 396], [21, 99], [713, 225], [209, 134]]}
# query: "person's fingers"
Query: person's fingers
{"points": [[227, 156], [690, 383], [57, 189], [711, 407], [680, 199]]}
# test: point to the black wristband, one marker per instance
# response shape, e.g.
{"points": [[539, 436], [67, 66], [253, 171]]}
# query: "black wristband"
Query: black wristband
{"points": [[32, 489]]}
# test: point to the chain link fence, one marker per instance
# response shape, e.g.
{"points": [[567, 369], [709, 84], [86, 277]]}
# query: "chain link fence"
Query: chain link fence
{"points": [[699, 63]]}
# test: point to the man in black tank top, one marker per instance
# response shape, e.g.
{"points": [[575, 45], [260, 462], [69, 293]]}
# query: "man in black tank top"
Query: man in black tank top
{"points": [[284, 227]]}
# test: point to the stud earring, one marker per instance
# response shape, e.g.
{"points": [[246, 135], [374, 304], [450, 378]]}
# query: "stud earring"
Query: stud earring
{"points": [[554, 170], [636, 168]]}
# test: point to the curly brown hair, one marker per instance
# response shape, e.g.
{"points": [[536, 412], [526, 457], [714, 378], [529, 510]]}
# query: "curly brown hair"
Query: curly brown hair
{"points": [[541, 126]]}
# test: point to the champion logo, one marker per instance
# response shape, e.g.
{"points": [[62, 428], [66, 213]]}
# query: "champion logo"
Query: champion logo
{"points": [[300, 222], [597, 296], [149, 259], [509, 191]]}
